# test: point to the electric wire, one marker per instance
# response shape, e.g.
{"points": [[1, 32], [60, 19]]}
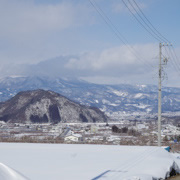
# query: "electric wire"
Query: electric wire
{"points": [[165, 40], [174, 57], [138, 159], [173, 64], [140, 21], [106, 21], [153, 33], [148, 26], [168, 55], [117, 33]]}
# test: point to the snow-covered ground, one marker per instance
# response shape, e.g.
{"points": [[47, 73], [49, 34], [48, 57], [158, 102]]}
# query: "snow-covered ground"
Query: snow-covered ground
{"points": [[7, 173], [81, 162]]}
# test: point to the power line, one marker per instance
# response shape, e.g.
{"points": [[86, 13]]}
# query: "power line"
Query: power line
{"points": [[151, 30], [174, 58], [116, 32], [140, 22], [177, 59], [166, 40], [145, 23], [171, 55], [155, 34], [148, 26], [100, 12]]}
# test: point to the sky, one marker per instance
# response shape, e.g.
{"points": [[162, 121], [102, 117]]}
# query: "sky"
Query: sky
{"points": [[74, 37]]}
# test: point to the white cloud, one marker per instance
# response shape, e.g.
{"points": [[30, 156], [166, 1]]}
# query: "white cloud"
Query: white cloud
{"points": [[129, 70], [119, 65], [110, 66], [32, 32], [19, 17], [120, 58]]}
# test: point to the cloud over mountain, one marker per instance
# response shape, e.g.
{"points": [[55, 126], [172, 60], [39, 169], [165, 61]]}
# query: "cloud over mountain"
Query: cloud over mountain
{"points": [[111, 65]]}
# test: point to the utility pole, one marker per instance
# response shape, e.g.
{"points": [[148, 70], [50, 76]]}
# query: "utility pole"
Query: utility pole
{"points": [[159, 95], [165, 59]]}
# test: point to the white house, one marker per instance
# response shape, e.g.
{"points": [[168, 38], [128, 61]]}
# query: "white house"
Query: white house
{"points": [[73, 138], [142, 126]]}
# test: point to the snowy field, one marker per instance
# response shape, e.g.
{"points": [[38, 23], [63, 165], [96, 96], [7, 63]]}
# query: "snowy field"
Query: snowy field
{"points": [[81, 162]]}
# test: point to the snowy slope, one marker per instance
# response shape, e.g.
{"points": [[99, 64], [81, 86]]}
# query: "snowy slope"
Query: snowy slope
{"points": [[81, 162], [40, 106], [7, 173], [111, 98]]}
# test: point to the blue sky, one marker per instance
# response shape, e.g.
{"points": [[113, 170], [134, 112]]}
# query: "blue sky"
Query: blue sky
{"points": [[33, 31]]}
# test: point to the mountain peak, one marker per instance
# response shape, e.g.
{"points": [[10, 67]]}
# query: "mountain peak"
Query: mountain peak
{"points": [[48, 107]]}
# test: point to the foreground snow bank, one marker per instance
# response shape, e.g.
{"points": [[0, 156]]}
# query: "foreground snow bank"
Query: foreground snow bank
{"points": [[7, 173], [152, 163], [85, 162]]}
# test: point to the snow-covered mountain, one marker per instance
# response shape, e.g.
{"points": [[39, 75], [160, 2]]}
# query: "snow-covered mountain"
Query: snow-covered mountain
{"points": [[47, 106], [109, 98]]}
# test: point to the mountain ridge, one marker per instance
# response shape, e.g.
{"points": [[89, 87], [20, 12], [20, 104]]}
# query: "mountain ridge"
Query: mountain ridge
{"points": [[122, 98]]}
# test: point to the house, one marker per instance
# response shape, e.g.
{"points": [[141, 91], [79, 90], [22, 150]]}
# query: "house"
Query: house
{"points": [[94, 129], [73, 138], [66, 132]]}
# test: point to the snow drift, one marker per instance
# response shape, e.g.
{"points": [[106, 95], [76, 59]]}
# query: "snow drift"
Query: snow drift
{"points": [[81, 162], [7, 173]]}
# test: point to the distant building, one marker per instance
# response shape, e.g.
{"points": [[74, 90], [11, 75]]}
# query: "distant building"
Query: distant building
{"points": [[94, 129], [66, 132], [141, 126], [73, 138]]}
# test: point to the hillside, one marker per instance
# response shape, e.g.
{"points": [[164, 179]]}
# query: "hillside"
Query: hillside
{"points": [[121, 98], [47, 106]]}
